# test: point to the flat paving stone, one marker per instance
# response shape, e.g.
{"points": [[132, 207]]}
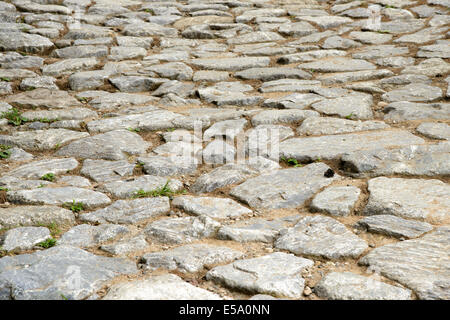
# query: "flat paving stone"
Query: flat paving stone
{"points": [[28, 216], [337, 64], [58, 196], [124, 247], [106, 171], [328, 125], [168, 166], [336, 201], [419, 264], [161, 287], [129, 211], [333, 146], [215, 208], [321, 237], [37, 169], [415, 111], [356, 106], [58, 272], [85, 235], [190, 258], [24, 238], [181, 230], [277, 274], [350, 286], [128, 188], [112, 145], [413, 160], [231, 64], [393, 196], [252, 230], [41, 140], [288, 188], [394, 226], [413, 93], [435, 130]]}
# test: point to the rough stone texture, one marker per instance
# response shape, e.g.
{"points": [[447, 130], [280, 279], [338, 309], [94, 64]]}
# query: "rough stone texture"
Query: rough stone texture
{"points": [[109, 146], [58, 196], [129, 211], [287, 188], [182, 230], [393, 196], [61, 271], [321, 237], [414, 160], [435, 130], [326, 125], [35, 216], [216, 208], [85, 235], [190, 258], [105, 171], [419, 264], [276, 274], [336, 201], [350, 286], [128, 188], [394, 226], [37, 169], [163, 287], [41, 140], [333, 146], [24, 238], [252, 230]]}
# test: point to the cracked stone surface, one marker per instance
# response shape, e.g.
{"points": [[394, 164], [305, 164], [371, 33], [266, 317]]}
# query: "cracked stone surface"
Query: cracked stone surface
{"points": [[187, 130]]}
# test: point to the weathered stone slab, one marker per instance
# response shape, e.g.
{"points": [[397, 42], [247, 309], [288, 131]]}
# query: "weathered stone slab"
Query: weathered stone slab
{"points": [[154, 120], [333, 146], [353, 106], [41, 140], [216, 208], [435, 130], [44, 98], [394, 226], [37, 169], [231, 64], [105, 171], [414, 111], [129, 211], [336, 201], [282, 116], [322, 237], [190, 258], [24, 238], [57, 273], [124, 247], [413, 160], [58, 196], [413, 93], [328, 125], [286, 188], [350, 286], [162, 287], [168, 166], [30, 43], [113, 145], [85, 235], [252, 230], [430, 202], [128, 188], [28, 216], [182, 230], [277, 274], [419, 264], [337, 64]]}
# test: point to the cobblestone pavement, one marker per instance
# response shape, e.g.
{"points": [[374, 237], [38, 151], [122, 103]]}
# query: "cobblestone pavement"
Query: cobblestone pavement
{"points": [[224, 149]]}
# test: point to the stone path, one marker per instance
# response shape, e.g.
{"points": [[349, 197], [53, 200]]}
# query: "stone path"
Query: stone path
{"points": [[224, 149]]}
